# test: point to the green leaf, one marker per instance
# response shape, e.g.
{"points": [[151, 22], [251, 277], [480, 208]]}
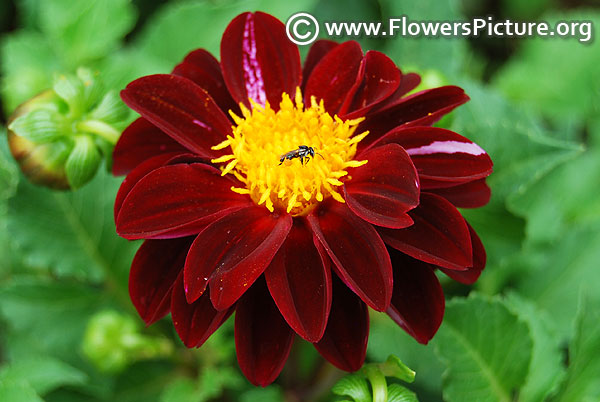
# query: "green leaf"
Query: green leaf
{"points": [[83, 161], [43, 373], [46, 317], [582, 382], [39, 126], [214, 380], [556, 274], [486, 348], [545, 370], [270, 394], [111, 109], [8, 173], [143, 382], [18, 392], [354, 386], [85, 30], [573, 200], [72, 234], [28, 65], [70, 89], [387, 337], [447, 54], [393, 367], [181, 390], [93, 88], [398, 393], [574, 74]]}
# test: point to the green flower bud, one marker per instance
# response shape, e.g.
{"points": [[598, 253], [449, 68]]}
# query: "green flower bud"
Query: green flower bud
{"points": [[60, 137], [112, 341]]}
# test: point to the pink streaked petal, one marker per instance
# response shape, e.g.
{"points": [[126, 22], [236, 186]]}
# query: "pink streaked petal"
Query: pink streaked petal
{"points": [[471, 275], [299, 280], [420, 109], [418, 301], [383, 190], [177, 200], [181, 109], [195, 322], [473, 194], [439, 236], [141, 140], [232, 253], [317, 51], [258, 61], [344, 343], [381, 79], [263, 339], [442, 157], [332, 84], [359, 254], [204, 69], [154, 270]]}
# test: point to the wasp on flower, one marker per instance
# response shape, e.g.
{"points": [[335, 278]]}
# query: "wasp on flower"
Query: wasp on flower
{"points": [[303, 152]]}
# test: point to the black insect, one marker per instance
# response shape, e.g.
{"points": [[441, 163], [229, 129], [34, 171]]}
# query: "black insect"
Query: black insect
{"points": [[303, 152]]}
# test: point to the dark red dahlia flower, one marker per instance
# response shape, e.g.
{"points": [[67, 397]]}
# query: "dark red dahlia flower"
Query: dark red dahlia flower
{"points": [[295, 197]]}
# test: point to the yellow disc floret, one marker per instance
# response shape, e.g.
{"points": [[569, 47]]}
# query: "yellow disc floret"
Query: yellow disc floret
{"points": [[263, 136]]}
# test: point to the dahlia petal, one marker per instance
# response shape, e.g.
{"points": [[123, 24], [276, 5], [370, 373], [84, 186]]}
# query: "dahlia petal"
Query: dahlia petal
{"points": [[380, 81], [344, 343], [439, 236], [258, 60], [299, 280], [317, 51], [420, 109], [329, 82], [359, 254], [383, 190], [136, 175], [181, 109], [471, 275], [473, 194], [154, 270], [195, 322], [408, 82], [418, 299], [141, 140], [442, 157], [263, 339], [203, 68], [175, 201], [232, 253]]}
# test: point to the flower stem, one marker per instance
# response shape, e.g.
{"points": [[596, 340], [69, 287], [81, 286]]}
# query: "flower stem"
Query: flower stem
{"points": [[101, 129], [378, 382]]}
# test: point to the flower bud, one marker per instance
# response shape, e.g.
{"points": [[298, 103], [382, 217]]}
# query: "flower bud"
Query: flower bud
{"points": [[112, 342], [60, 137]]}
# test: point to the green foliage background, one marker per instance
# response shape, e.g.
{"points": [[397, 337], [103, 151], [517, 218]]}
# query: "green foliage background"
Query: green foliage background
{"points": [[527, 331]]}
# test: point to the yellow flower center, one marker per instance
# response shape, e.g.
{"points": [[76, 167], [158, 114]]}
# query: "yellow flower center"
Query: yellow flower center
{"points": [[271, 154]]}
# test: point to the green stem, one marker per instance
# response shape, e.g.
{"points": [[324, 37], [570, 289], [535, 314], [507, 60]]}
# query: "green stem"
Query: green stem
{"points": [[378, 382], [101, 129]]}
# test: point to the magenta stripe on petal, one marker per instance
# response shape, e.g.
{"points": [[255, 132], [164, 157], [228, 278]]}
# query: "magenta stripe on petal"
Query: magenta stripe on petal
{"points": [[447, 147], [255, 86]]}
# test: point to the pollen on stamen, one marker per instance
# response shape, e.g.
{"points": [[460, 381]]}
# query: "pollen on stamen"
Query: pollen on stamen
{"points": [[263, 135]]}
